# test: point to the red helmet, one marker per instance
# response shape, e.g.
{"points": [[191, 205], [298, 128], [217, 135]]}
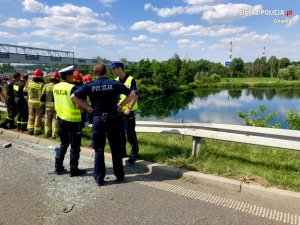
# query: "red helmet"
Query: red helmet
{"points": [[77, 76], [87, 78], [38, 73], [55, 75]]}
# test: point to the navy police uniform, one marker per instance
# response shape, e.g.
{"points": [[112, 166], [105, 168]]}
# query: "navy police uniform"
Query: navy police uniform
{"points": [[128, 126], [103, 94]]}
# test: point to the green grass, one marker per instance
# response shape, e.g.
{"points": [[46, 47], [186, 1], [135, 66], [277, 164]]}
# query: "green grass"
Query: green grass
{"points": [[247, 83], [267, 166], [250, 80]]}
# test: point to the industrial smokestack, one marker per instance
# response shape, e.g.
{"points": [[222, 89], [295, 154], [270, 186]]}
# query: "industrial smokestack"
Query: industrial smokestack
{"points": [[230, 51]]}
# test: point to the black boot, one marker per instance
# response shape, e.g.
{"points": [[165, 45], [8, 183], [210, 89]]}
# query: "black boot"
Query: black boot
{"points": [[4, 124], [76, 172], [12, 125]]}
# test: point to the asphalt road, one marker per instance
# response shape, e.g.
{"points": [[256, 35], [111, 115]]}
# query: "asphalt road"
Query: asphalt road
{"points": [[31, 194]]}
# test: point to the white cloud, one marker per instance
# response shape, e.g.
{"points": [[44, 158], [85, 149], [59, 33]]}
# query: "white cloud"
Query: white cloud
{"points": [[186, 43], [199, 2], [207, 31], [216, 46], [145, 45], [67, 17], [60, 35], [6, 35], [72, 23], [13, 22], [106, 14], [144, 38], [228, 12], [33, 6], [107, 3], [177, 10], [252, 36], [66, 9], [156, 27], [294, 21]]}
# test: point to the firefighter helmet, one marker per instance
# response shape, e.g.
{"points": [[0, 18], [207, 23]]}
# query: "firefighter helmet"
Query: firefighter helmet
{"points": [[77, 76], [87, 78], [55, 75], [38, 73]]}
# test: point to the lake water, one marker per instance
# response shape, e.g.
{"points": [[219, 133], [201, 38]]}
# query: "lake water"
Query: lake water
{"points": [[220, 106]]}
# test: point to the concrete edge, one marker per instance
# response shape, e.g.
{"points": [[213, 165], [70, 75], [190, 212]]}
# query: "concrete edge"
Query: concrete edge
{"points": [[175, 173]]}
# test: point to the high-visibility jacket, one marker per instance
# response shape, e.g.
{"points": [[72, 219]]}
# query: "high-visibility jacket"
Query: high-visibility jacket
{"points": [[122, 97], [34, 90], [48, 92], [64, 106]]}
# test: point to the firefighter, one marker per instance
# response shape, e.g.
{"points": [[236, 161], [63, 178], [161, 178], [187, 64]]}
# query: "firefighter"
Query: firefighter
{"points": [[34, 89], [87, 78], [47, 106], [21, 103], [9, 122], [2, 96], [78, 82]]}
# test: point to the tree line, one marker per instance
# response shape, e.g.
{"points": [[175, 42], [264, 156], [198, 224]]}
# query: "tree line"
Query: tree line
{"points": [[169, 74]]}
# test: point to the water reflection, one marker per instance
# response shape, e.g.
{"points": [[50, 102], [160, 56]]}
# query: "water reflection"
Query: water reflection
{"points": [[218, 106]]}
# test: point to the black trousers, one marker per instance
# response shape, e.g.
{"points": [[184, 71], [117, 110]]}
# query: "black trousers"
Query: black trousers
{"points": [[22, 113], [70, 134], [106, 127], [128, 129]]}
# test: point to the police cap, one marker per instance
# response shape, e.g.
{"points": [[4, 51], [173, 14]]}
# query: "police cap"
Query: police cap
{"points": [[66, 71], [117, 64]]}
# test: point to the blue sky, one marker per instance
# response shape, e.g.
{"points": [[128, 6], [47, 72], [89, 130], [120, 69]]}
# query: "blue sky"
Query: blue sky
{"points": [[140, 29]]}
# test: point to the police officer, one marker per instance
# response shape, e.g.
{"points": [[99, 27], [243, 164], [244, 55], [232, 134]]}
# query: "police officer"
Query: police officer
{"points": [[69, 119], [127, 114], [47, 100], [10, 104], [34, 89], [103, 94], [21, 103]]}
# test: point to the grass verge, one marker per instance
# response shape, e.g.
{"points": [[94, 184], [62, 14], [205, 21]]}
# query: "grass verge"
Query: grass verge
{"points": [[251, 163]]}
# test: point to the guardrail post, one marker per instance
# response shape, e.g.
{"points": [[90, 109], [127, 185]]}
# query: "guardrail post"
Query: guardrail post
{"points": [[196, 145]]}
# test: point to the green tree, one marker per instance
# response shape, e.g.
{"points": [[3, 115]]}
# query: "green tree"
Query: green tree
{"points": [[101, 59], [284, 74], [284, 62], [259, 118], [293, 120], [187, 71], [219, 69], [273, 64], [124, 60], [292, 72], [237, 67], [163, 76]]}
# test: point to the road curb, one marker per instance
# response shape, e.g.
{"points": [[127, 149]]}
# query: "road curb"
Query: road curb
{"points": [[175, 173]]}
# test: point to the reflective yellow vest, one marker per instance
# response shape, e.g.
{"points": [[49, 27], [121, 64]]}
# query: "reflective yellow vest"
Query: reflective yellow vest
{"points": [[64, 106], [122, 97], [34, 90], [48, 91]]}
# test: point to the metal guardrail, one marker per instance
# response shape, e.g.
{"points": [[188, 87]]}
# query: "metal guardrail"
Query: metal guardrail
{"points": [[271, 137]]}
